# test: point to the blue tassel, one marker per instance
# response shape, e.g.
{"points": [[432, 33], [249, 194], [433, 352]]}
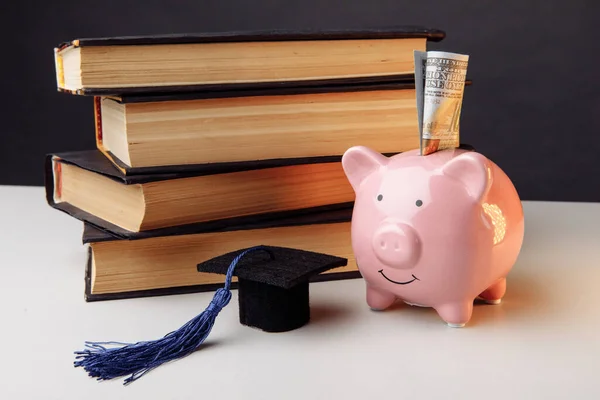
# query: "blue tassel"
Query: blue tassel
{"points": [[137, 359]]}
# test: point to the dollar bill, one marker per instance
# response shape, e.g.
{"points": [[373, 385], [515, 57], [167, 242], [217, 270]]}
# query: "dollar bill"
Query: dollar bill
{"points": [[420, 58], [440, 92]]}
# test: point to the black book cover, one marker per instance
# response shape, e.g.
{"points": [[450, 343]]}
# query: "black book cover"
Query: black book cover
{"points": [[279, 89], [95, 161], [391, 32], [97, 230], [217, 88], [187, 170]]}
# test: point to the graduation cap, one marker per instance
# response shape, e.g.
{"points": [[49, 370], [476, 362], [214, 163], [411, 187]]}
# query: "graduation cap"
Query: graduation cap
{"points": [[273, 285], [273, 296]]}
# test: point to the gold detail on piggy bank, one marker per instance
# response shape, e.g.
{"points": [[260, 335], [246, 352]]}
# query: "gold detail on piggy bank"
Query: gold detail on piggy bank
{"points": [[498, 221]]}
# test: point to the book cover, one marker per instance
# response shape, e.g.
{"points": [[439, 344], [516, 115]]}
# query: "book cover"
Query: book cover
{"points": [[104, 232], [279, 90], [244, 38], [390, 32]]}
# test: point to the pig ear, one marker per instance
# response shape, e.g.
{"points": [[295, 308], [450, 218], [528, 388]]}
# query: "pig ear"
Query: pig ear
{"points": [[359, 162], [472, 170]]}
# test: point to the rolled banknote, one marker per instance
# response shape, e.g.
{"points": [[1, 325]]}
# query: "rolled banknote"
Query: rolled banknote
{"points": [[420, 59], [439, 94]]}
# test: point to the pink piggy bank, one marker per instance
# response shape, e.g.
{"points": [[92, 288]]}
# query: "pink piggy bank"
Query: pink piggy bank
{"points": [[433, 231]]}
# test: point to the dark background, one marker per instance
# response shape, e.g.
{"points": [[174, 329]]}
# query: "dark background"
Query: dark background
{"points": [[533, 108]]}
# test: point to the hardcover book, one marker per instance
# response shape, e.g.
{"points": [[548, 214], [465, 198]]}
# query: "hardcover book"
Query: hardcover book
{"points": [[143, 133], [211, 61], [147, 265], [86, 182]]}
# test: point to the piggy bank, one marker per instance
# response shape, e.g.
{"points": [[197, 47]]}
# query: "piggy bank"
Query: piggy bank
{"points": [[435, 231]]}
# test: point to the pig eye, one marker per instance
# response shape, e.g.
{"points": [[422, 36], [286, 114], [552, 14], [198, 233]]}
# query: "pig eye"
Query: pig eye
{"points": [[380, 197], [419, 203]]}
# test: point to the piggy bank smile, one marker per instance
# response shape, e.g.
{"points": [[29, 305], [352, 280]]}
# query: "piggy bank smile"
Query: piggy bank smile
{"points": [[414, 278]]}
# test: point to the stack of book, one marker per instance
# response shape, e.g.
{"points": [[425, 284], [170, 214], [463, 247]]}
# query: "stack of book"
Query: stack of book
{"points": [[211, 143]]}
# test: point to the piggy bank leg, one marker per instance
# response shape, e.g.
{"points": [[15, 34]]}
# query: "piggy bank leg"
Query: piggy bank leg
{"points": [[456, 315], [379, 300], [494, 294]]}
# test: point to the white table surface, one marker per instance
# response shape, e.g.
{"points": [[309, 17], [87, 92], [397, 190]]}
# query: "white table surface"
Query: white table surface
{"points": [[542, 342]]}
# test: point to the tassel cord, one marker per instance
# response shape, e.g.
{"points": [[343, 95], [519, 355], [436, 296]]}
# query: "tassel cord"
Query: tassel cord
{"points": [[137, 359]]}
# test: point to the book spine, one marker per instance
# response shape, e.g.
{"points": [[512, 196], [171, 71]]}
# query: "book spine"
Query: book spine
{"points": [[99, 134], [98, 121], [57, 172], [60, 70]]}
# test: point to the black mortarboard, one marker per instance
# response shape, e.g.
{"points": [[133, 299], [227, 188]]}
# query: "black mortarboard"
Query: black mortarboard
{"points": [[273, 285], [273, 296]]}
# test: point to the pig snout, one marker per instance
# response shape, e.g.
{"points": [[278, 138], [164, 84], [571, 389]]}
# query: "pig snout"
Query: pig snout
{"points": [[396, 245]]}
